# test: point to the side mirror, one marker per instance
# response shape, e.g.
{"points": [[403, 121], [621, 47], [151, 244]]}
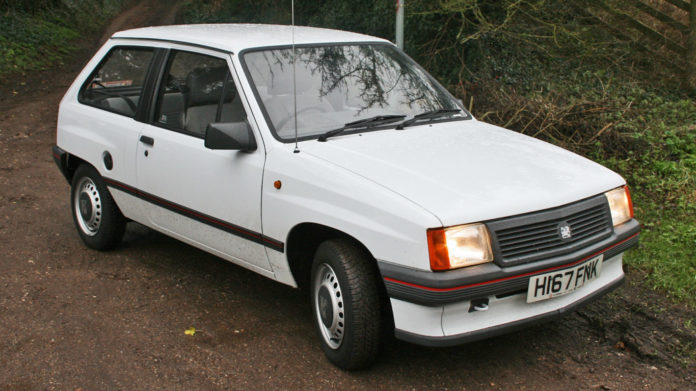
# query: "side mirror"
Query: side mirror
{"points": [[230, 136]]}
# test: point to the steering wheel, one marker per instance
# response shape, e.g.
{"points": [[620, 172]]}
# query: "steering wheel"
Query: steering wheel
{"points": [[106, 91], [285, 120]]}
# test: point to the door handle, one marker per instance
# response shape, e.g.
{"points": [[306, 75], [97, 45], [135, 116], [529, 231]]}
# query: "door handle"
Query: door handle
{"points": [[147, 140]]}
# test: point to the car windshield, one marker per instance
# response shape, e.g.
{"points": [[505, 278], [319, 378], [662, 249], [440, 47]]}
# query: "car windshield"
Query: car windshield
{"points": [[340, 84]]}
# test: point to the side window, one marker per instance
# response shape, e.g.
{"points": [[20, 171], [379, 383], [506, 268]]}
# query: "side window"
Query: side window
{"points": [[117, 83], [197, 90]]}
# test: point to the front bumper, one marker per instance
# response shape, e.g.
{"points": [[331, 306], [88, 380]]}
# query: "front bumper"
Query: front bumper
{"points": [[436, 309], [480, 281], [453, 324]]}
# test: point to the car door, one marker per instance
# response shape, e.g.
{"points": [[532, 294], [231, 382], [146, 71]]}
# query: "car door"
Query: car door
{"points": [[208, 198]]}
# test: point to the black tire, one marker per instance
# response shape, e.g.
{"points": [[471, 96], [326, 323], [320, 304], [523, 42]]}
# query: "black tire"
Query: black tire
{"points": [[98, 220], [346, 304]]}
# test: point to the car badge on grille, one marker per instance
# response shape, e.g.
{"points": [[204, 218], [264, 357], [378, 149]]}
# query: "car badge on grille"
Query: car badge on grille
{"points": [[564, 230]]}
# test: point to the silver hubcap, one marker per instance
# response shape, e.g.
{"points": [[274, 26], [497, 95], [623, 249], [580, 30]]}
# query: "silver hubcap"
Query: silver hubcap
{"points": [[328, 306], [88, 207]]}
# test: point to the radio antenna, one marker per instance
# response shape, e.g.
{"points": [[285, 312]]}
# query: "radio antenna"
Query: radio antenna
{"points": [[294, 81]]}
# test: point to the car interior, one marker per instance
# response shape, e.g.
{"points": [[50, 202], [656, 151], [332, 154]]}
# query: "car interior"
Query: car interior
{"points": [[196, 102], [197, 90]]}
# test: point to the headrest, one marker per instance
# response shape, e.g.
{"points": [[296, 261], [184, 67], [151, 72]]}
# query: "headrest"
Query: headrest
{"points": [[205, 86]]}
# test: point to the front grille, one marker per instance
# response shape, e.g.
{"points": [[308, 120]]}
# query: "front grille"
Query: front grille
{"points": [[534, 238], [538, 235]]}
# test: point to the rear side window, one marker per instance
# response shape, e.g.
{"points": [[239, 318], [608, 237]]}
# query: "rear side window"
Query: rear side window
{"points": [[117, 83], [197, 90]]}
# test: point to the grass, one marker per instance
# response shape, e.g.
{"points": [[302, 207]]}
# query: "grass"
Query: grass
{"points": [[667, 253], [661, 172], [29, 42], [37, 40]]}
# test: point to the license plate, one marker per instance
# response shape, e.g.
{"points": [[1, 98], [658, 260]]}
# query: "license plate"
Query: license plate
{"points": [[561, 282]]}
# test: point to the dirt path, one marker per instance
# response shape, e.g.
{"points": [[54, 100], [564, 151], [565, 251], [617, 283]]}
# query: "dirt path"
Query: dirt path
{"points": [[72, 318]]}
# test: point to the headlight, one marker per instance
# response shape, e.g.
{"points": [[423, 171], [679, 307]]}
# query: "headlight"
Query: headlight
{"points": [[459, 246], [620, 205]]}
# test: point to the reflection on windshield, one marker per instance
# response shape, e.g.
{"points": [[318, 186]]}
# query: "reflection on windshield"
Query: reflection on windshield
{"points": [[340, 84]]}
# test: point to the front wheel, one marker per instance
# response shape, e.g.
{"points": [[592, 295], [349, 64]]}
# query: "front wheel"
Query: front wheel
{"points": [[97, 218], [346, 304]]}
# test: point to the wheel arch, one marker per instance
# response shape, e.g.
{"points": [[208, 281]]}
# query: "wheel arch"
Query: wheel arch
{"points": [[303, 241], [69, 163]]}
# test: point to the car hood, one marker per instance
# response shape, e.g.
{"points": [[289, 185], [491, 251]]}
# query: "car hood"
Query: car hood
{"points": [[467, 171]]}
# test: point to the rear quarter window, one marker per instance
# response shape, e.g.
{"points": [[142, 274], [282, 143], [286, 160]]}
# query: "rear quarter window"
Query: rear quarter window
{"points": [[116, 84]]}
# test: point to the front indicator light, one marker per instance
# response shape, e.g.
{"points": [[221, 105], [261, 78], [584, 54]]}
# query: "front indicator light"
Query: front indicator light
{"points": [[459, 246], [620, 205]]}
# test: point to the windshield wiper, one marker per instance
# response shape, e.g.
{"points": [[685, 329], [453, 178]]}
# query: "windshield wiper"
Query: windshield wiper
{"points": [[427, 115], [367, 123]]}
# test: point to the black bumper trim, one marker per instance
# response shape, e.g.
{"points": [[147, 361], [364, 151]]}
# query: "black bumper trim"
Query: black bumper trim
{"points": [[60, 157], [458, 339], [437, 288]]}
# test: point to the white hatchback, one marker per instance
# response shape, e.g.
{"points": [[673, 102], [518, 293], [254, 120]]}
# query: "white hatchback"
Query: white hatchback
{"points": [[336, 163]]}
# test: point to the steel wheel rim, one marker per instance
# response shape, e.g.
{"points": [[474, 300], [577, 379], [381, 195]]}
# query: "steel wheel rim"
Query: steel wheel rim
{"points": [[328, 306], [88, 206]]}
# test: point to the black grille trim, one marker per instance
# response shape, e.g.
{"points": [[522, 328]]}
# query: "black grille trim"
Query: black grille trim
{"points": [[534, 236]]}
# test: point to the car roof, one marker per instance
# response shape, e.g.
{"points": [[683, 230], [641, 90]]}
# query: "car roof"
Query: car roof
{"points": [[236, 37]]}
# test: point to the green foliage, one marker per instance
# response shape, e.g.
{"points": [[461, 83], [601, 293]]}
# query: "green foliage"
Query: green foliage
{"points": [[236, 11], [37, 34], [30, 42], [28, 5], [359, 15], [660, 167], [372, 17], [668, 252]]}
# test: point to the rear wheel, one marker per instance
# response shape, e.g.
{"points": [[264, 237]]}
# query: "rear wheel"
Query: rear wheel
{"points": [[346, 304], [97, 218]]}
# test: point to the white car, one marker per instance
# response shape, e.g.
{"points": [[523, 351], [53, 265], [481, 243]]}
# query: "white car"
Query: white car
{"points": [[336, 163]]}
